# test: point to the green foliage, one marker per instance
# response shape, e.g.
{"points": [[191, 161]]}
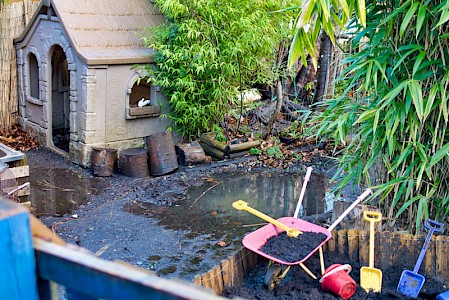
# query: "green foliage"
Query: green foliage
{"points": [[275, 152], [208, 50], [316, 16], [395, 110], [255, 151]]}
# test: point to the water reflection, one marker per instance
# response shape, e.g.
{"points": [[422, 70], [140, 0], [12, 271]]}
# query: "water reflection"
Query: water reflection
{"points": [[273, 194], [59, 191], [208, 208]]}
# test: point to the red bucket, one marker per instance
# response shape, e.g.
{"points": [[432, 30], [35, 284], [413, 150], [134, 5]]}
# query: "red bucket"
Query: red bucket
{"points": [[336, 280]]}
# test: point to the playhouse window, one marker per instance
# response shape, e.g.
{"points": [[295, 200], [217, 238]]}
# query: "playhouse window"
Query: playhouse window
{"points": [[140, 101], [33, 76]]}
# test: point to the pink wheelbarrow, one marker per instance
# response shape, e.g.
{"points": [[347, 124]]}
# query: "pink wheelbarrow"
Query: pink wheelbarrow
{"points": [[278, 268]]}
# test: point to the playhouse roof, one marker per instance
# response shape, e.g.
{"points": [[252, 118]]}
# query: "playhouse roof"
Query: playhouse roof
{"points": [[105, 31]]}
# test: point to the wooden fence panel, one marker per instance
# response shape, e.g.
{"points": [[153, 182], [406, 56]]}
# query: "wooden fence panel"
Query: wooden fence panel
{"points": [[14, 17]]}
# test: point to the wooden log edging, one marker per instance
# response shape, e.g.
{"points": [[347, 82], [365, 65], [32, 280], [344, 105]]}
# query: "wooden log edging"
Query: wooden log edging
{"points": [[390, 248]]}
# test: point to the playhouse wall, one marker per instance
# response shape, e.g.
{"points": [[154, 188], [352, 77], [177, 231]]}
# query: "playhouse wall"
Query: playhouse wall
{"points": [[98, 97], [103, 121]]}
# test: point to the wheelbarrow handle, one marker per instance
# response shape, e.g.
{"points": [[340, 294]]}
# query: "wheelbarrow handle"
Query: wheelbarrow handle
{"points": [[432, 226], [360, 198], [303, 190]]}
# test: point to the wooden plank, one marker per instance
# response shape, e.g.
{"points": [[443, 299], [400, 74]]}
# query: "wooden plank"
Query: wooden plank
{"points": [[363, 248], [226, 271], [197, 279], [342, 242], [429, 264], [17, 275], [18, 172], [332, 243], [442, 255], [218, 280], [206, 281], [209, 139], [233, 270], [85, 273], [213, 151], [385, 250], [238, 266], [353, 245]]}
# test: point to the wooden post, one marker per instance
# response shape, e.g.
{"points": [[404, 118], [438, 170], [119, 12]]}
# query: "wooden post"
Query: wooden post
{"points": [[353, 245], [18, 272]]}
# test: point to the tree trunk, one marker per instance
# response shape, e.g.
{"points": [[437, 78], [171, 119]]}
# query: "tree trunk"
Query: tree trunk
{"points": [[322, 74]]}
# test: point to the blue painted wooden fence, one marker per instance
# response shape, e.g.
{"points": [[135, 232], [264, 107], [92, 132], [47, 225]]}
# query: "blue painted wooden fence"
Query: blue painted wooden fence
{"points": [[29, 273]]}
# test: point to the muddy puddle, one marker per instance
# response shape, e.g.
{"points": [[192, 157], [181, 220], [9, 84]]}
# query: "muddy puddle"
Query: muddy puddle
{"points": [[55, 192], [207, 209]]}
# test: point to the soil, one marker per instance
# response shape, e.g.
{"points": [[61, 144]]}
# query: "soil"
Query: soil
{"points": [[104, 225], [299, 286], [281, 246]]}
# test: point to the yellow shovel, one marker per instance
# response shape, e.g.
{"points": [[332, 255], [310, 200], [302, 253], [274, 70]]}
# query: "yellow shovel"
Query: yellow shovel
{"points": [[242, 205], [370, 277]]}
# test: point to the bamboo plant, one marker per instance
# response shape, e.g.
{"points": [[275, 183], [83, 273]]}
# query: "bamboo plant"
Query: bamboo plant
{"points": [[394, 108]]}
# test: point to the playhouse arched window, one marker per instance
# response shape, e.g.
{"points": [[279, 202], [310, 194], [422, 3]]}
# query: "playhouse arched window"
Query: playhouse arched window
{"points": [[141, 101], [33, 76]]}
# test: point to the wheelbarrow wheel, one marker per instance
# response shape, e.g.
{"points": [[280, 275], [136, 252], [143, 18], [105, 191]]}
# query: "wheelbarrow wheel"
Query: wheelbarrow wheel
{"points": [[271, 277]]}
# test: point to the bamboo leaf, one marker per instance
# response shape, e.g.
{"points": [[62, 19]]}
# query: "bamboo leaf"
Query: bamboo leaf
{"points": [[417, 97], [439, 155], [393, 93], [420, 18], [430, 101], [443, 19], [418, 61], [365, 116], [362, 12], [345, 8], [406, 205], [407, 18]]}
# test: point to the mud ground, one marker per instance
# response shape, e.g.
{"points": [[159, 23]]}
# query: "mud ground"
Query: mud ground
{"points": [[103, 226]]}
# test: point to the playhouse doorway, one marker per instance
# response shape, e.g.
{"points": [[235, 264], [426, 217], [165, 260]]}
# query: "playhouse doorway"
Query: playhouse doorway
{"points": [[60, 100]]}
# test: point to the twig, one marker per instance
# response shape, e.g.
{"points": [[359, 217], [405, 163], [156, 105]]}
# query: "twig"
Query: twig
{"points": [[257, 224], [53, 226], [102, 250], [56, 187], [9, 140], [204, 193]]}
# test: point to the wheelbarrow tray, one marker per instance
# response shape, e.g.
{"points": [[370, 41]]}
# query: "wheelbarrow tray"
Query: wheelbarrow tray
{"points": [[256, 239]]}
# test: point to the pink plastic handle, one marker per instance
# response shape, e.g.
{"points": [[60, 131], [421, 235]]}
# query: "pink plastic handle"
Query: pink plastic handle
{"points": [[301, 196]]}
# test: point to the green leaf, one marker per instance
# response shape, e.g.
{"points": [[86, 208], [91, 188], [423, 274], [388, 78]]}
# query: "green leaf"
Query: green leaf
{"points": [[418, 61], [443, 19], [407, 18], [362, 12], [439, 155], [417, 97], [420, 18]]}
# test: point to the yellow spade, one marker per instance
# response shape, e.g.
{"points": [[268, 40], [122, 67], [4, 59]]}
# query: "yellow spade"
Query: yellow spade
{"points": [[242, 205], [370, 277]]}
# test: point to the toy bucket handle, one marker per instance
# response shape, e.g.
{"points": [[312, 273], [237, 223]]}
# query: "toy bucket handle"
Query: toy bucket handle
{"points": [[345, 267], [372, 216], [434, 225]]}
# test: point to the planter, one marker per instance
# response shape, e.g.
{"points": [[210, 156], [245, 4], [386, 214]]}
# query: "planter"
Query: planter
{"points": [[392, 251]]}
